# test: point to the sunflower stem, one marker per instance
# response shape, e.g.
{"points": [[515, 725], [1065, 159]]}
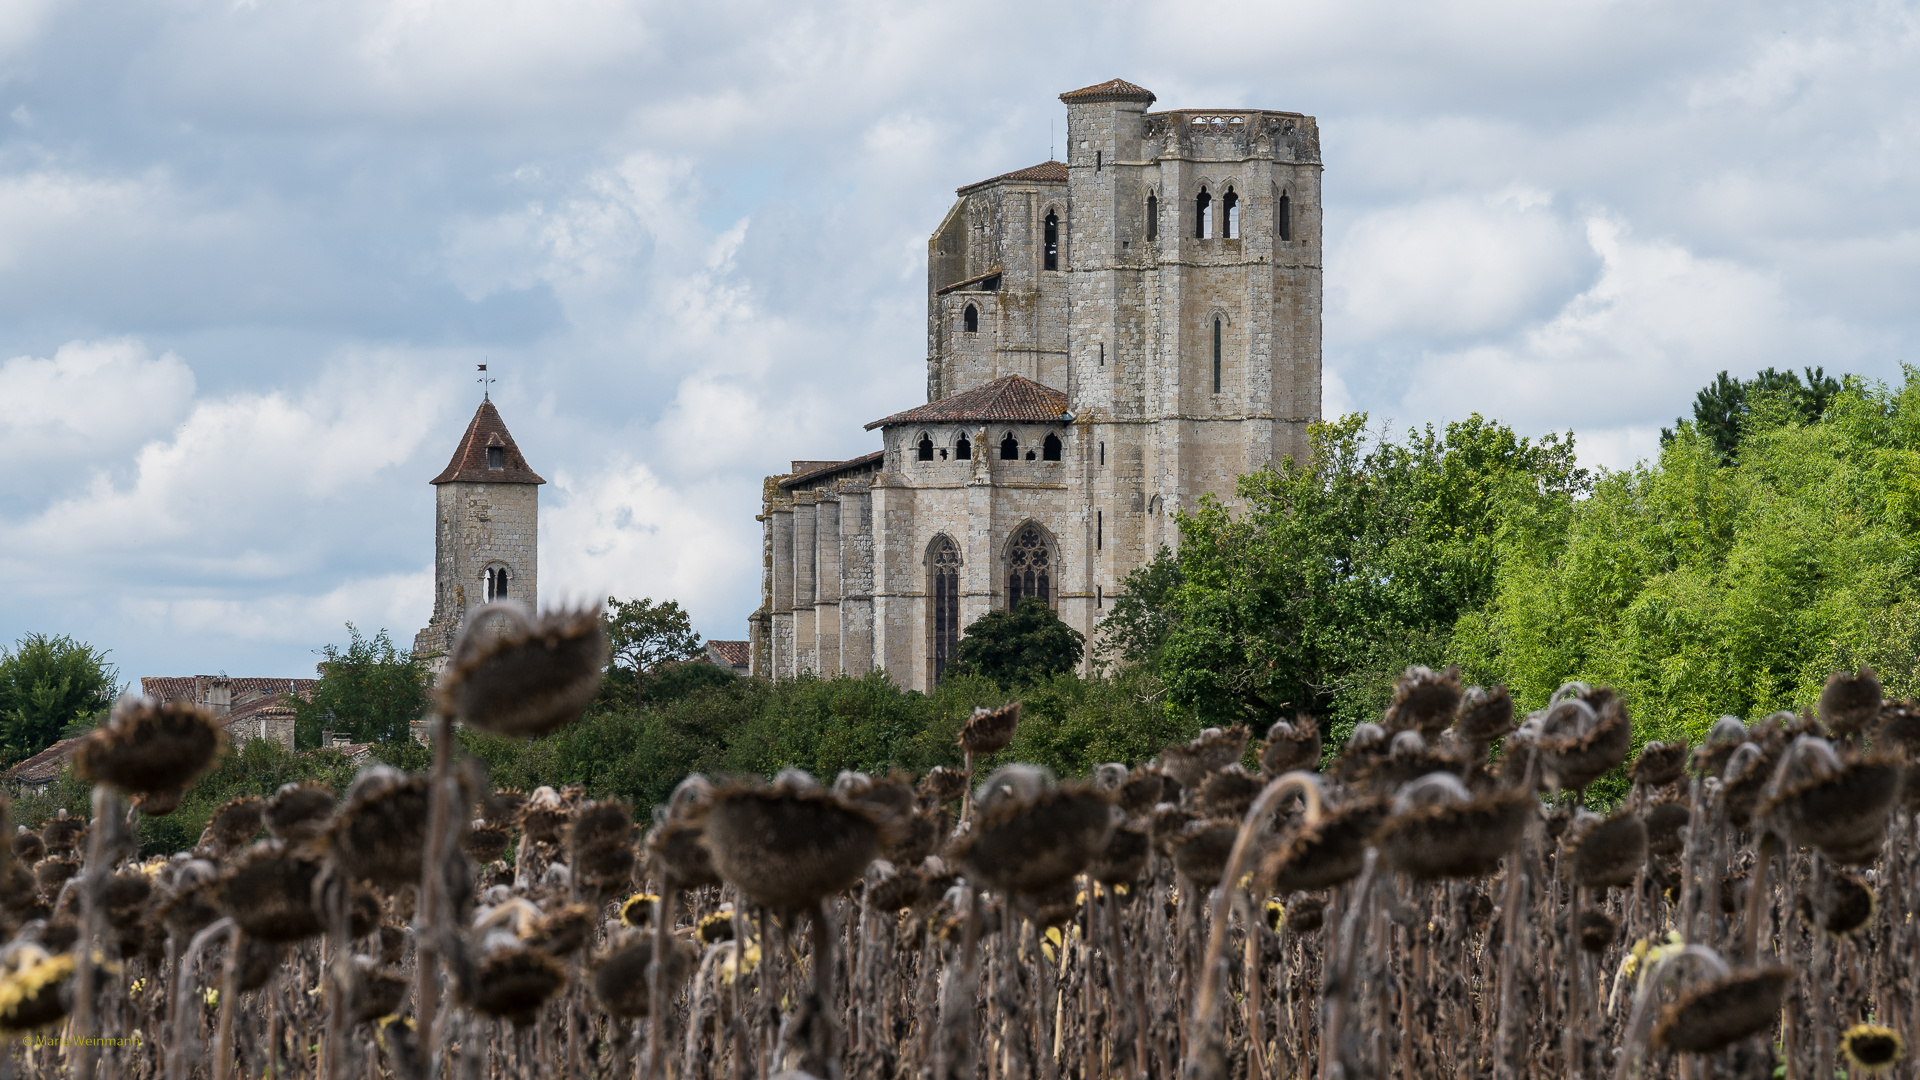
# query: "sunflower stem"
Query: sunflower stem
{"points": [[427, 920]]}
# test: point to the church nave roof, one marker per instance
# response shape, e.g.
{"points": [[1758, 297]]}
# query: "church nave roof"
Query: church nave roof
{"points": [[1013, 398]]}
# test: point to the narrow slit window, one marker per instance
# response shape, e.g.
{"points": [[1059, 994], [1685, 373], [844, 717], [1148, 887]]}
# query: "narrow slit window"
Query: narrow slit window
{"points": [[1103, 354], [1283, 217], [1099, 530], [1096, 161], [1009, 448], [1099, 597], [496, 458], [1103, 455], [1230, 215], [1203, 216], [926, 448], [1050, 449], [962, 449], [1153, 217], [970, 320], [1053, 241], [1216, 355]]}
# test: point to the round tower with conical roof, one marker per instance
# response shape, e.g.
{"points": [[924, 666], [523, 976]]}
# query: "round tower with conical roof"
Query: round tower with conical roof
{"points": [[486, 531]]}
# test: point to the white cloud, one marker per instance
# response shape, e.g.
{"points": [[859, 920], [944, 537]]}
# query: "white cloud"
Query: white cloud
{"points": [[91, 402]]}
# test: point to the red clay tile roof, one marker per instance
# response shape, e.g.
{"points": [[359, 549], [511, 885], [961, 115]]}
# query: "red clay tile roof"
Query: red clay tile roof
{"points": [[1047, 172], [865, 463], [181, 688], [1111, 90], [469, 464], [734, 653], [1013, 398], [46, 764]]}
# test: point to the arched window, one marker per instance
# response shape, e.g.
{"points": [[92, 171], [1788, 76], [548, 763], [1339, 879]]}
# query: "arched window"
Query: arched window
{"points": [[1053, 241], [1029, 568], [1050, 449], [1009, 448], [943, 611], [970, 320], [1203, 216], [496, 583], [1230, 215], [926, 448], [1216, 354], [1153, 216], [1283, 217], [962, 449]]}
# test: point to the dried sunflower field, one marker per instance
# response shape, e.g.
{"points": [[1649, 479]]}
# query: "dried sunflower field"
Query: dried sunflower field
{"points": [[1434, 901]]}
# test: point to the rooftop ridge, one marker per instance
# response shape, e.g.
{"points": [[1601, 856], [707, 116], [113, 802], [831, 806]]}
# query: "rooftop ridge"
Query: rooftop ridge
{"points": [[1014, 398], [469, 464]]}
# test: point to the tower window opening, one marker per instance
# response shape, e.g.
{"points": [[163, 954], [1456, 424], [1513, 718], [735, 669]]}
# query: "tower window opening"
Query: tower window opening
{"points": [[496, 583], [1103, 455], [1099, 597], [1153, 217], [926, 448], [1099, 530], [1230, 215], [943, 585], [1053, 241], [1029, 455], [1096, 161], [1103, 354], [1029, 568], [1216, 355], [970, 320], [496, 458], [1203, 216], [1050, 448], [1283, 217], [962, 449], [1009, 448]]}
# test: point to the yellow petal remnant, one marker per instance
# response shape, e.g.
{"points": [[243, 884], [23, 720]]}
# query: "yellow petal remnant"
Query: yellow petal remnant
{"points": [[637, 910], [731, 967], [32, 993]]}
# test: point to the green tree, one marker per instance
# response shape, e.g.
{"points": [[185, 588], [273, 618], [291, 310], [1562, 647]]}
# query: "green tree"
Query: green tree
{"points": [[641, 637], [50, 686], [1016, 648], [370, 691], [1341, 570], [1723, 411]]}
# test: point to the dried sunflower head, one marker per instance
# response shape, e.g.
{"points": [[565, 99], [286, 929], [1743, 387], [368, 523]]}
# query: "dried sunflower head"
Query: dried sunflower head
{"points": [[63, 834], [620, 982], [601, 846], [1839, 807], [238, 821], [1229, 793], [1123, 858], [149, 746], [35, 988], [1031, 835], [790, 844], [1290, 746], [1484, 715], [1212, 750], [511, 983], [269, 892], [299, 812], [50, 874], [988, 731], [1145, 789], [1424, 700], [1327, 852], [637, 910], [543, 817], [1667, 820], [563, 931], [1873, 1049], [381, 834], [715, 927], [1202, 850], [376, 991], [942, 785], [1585, 733], [1606, 851], [1595, 932], [1726, 735], [518, 676], [1842, 906], [1660, 763], [1899, 730], [28, 847], [1440, 830], [1722, 1011], [679, 850], [484, 842], [1305, 914], [1850, 703]]}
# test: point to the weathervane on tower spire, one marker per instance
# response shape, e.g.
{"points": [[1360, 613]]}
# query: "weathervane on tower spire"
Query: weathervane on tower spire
{"points": [[486, 382]]}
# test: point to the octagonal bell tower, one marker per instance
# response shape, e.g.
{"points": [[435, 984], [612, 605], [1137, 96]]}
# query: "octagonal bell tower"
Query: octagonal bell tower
{"points": [[486, 529]]}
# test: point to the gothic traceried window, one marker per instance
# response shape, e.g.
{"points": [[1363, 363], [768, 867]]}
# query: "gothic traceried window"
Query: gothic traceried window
{"points": [[1009, 448], [1230, 215], [943, 590], [1029, 568], [1203, 216], [1050, 449], [496, 583], [926, 448], [963, 449]]}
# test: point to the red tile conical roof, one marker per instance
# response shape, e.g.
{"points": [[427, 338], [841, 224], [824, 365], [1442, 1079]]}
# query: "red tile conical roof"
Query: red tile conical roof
{"points": [[469, 464]]}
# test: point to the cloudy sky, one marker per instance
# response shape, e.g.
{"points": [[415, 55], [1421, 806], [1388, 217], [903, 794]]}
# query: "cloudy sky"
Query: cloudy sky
{"points": [[251, 250]]}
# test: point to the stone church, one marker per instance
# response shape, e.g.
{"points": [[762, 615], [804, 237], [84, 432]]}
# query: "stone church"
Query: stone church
{"points": [[486, 525], [1108, 339]]}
